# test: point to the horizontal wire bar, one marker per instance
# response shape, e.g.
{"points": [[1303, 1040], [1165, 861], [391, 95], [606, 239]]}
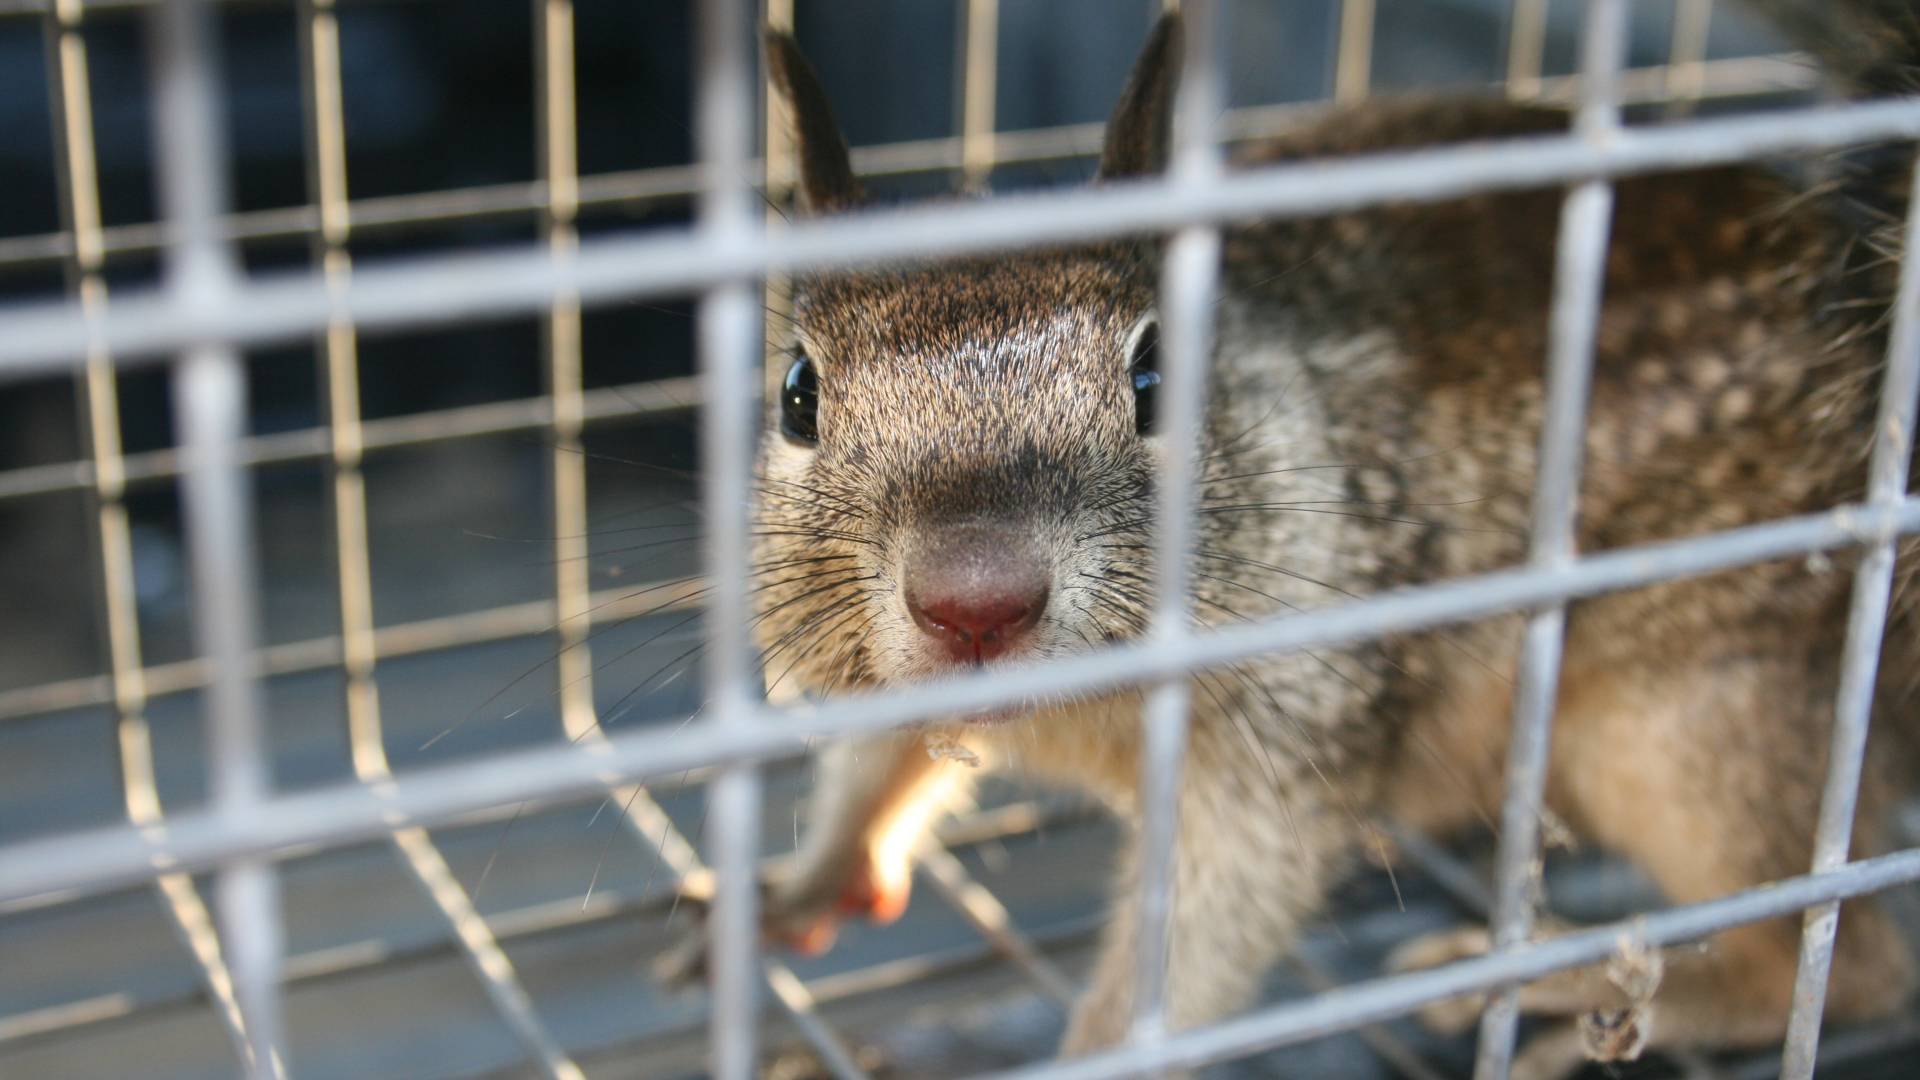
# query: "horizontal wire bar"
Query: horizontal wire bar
{"points": [[896, 976], [399, 639], [1751, 73], [523, 279], [104, 1012], [652, 398], [1380, 999], [1841, 1048], [102, 858], [1387, 1045], [374, 215], [11, 8], [961, 832]]}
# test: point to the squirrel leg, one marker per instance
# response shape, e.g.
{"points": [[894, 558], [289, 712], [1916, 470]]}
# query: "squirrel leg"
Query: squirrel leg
{"points": [[1701, 754], [873, 799], [1242, 885], [1731, 755], [1731, 991]]}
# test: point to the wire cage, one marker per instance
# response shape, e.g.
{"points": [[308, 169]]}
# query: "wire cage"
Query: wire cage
{"points": [[245, 870]]}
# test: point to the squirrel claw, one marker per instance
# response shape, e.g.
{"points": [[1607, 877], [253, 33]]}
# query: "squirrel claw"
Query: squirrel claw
{"points": [[804, 927]]}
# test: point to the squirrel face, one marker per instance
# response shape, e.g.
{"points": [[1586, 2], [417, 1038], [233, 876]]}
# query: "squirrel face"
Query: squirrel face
{"points": [[959, 469], [968, 451]]}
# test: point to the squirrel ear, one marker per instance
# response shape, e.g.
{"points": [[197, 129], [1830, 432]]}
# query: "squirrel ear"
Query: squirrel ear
{"points": [[826, 173], [1138, 131]]}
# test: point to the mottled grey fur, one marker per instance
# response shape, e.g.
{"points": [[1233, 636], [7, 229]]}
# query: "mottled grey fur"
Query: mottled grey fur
{"points": [[1375, 400]]}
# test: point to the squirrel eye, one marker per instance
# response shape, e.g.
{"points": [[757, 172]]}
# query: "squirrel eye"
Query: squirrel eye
{"points": [[1144, 371], [800, 401]]}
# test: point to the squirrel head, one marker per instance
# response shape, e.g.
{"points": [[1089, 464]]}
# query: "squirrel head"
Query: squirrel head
{"points": [[958, 468]]}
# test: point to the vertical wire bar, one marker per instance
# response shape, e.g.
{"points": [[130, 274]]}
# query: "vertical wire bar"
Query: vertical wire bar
{"points": [[978, 74], [209, 399], [338, 348], [979, 71], [210, 402], [191, 144], [655, 830], [1866, 625], [1579, 279], [729, 317], [1526, 47], [1353, 63], [98, 399], [248, 896], [650, 823], [787, 989], [559, 162], [1188, 284], [559, 171], [776, 291], [1686, 74], [731, 347], [733, 809]]}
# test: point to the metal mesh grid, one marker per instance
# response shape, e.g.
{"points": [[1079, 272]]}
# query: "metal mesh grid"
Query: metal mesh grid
{"points": [[205, 310]]}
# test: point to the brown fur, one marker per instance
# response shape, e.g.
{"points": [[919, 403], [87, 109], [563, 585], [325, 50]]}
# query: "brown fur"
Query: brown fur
{"points": [[1375, 408]]}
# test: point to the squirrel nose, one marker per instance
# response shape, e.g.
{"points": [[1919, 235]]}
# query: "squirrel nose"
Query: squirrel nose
{"points": [[979, 627], [975, 591]]}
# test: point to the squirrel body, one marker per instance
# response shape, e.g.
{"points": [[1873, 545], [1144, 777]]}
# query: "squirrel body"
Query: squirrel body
{"points": [[969, 430]]}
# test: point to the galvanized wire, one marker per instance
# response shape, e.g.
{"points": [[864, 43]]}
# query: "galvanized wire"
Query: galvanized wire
{"points": [[672, 184], [1189, 283], [126, 685], [1579, 274], [96, 859], [1380, 999], [209, 399], [204, 310], [436, 290], [1860, 658]]}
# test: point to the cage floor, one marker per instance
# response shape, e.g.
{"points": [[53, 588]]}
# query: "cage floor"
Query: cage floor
{"points": [[923, 998]]}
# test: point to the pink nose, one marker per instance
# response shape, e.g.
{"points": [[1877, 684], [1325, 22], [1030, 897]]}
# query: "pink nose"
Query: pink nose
{"points": [[975, 591], [977, 628]]}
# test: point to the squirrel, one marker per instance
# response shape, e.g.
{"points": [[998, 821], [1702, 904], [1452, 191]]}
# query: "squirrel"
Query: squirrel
{"points": [[959, 471]]}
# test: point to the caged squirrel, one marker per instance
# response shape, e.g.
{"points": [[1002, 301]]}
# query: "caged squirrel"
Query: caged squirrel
{"points": [[959, 471]]}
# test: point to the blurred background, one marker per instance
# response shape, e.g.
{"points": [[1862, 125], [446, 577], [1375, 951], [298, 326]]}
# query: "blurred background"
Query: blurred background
{"points": [[440, 106]]}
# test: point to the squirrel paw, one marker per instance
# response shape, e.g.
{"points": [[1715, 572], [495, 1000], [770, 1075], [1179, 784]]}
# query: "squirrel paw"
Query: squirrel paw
{"points": [[795, 914]]}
